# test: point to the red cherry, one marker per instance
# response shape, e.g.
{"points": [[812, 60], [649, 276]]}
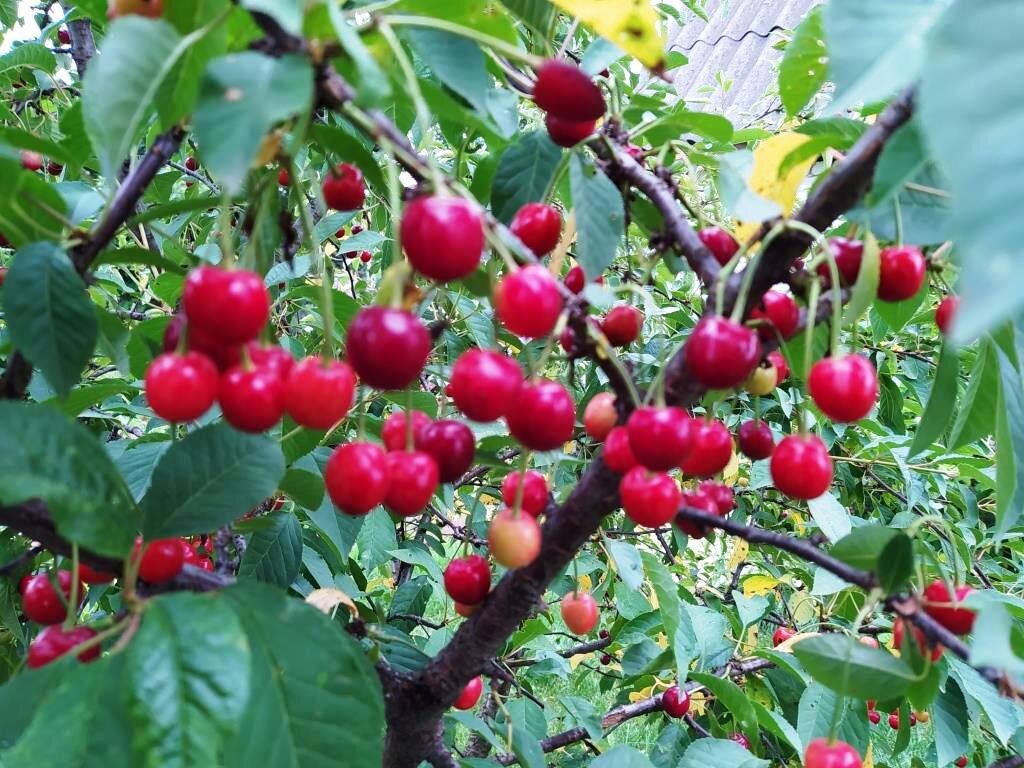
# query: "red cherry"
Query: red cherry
{"points": [[443, 236], [357, 477], [782, 634], [252, 401], [600, 416], [193, 557], [894, 720], [941, 606], [778, 312], [721, 353], [870, 642], [54, 169], [844, 388], [705, 502], [575, 279], [191, 163], [231, 305], [756, 440], [513, 540], [535, 492], [452, 445], [567, 92], [387, 347], [740, 739], [414, 478], [365, 257], [40, 601], [468, 579], [271, 357], [712, 449], [660, 438], [394, 432], [579, 612], [53, 642], [604, 634], [340, 233], [622, 325], [470, 694], [181, 387], [848, 255], [541, 415], [675, 701], [356, 229], [821, 753], [899, 628], [568, 133], [961, 762], [64, 36], [874, 717], [720, 493], [161, 561], [3, 276], [538, 227], [283, 177], [606, 659], [943, 315], [777, 359], [222, 355], [344, 189], [318, 396], [465, 610], [31, 161], [901, 272], [650, 499], [92, 576], [618, 456], [722, 245], [483, 382], [801, 467], [528, 301]]}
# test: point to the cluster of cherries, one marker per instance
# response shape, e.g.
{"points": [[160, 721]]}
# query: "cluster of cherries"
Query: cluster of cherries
{"points": [[572, 102]]}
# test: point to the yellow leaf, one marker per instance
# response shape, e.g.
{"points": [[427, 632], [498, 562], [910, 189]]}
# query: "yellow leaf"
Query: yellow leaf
{"points": [[765, 180], [751, 640], [740, 550], [698, 703], [327, 600], [630, 24], [643, 693], [661, 640], [585, 584], [385, 582], [869, 758], [731, 469], [574, 661], [803, 607], [759, 585]]}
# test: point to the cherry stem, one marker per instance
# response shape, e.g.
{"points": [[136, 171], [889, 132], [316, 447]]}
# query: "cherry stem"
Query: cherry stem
{"points": [[812, 311], [227, 248], [825, 255]]}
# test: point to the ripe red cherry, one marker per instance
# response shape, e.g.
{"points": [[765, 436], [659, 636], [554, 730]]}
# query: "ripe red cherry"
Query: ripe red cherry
{"points": [[943, 315], [848, 255], [821, 753], [54, 169], [468, 579], [575, 279], [801, 467], [31, 161], [271, 357], [161, 561], [252, 401], [64, 36], [181, 387], [394, 432], [538, 226], [483, 382], [318, 396], [782, 634], [191, 163], [756, 440], [579, 612], [470, 694], [443, 236], [844, 388], [941, 606], [894, 720], [778, 312], [92, 576], [660, 438], [541, 415], [899, 628], [722, 245], [901, 272], [40, 601], [875, 717], [53, 642], [622, 325], [961, 762], [343, 188], [414, 478], [465, 610], [387, 347], [221, 355], [675, 701], [600, 416], [452, 446], [721, 353], [720, 493], [232, 305], [357, 477], [3, 276], [617, 453], [567, 92], [702, 501], [193, 556], [712, 449], [535, 492], [513, 540], [650, 499], [283, 177], [365, 257], [568, 133], [528, 301]]}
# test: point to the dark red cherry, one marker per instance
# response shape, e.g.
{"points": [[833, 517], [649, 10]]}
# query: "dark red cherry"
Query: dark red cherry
{"points": [[946, 312], [54, 169], [721, 353], [316, 395], [283, 177], [181, 388], [567, 92], [823, 753], [756, 440], [92, 576], [357, 477], [782, 634], [470, 694], [54, 642], [575, 279], [64, 36], [720, 493], [675, 701], [777, 312], [541, 415], [801, 467], [945, 608], [414, 478], [617, 453], [443, 236], [252, 401], [711, 451], [568, 133], [528, 301], [901, 272], [232, 305], [468, 579], [344, 189], [848, 255], [845, 388], [483, 382], [387, 347], [394, 432], [452, 445], [660, 438], [40, 601], [535, 492], [621, 326], [722, 245], [161, 560], [191, 163], [365, 256], [876, 717], [961, 762], [538, 227], [222, 355], [702, 501], [650, 499]]}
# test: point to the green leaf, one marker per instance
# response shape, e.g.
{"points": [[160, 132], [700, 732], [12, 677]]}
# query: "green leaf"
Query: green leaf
{"points": [[30, 209], [585, 714], [304, 484], [139, 256], [524, 173], [895, 563], [976, 415], [949, 724], [941, 402], [213, 476], [1009, 445], [680, 120], [526, 749], [621, 756], [31, 56], [49, 314], [734, 170], [287, 13], [898, 313], [733, 698], [863, 546], [804, 64], [373, 85], [241, 96], [347, 147], [274, 552], [628, 564], [831, 516], [851, 668], [678, 630], [720, 753], [1002, 713], [865, 289], [180, 89], [600, 217], [903, 158], [137, 463], [8, 12], [88, 395], [456, 61], [750, 609], [776, 722], [817, 712], [536, 14]]}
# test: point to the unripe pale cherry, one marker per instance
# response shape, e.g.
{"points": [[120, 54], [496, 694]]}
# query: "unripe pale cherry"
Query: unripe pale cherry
{"points": [[600, 416], [513, 539], [579, 612]]}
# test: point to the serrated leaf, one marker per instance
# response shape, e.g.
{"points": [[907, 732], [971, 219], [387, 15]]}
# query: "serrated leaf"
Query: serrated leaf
{"points": [[732, 697], [804, 64], [721, 753], [862, 547], [851, 668], [274, 553], [29, 55], [600, 217], [456, 61], [524, 173], [831, 516], [941, 402]]}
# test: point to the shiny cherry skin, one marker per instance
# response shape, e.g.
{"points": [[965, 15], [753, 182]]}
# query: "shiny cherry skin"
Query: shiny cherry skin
{"points": [[344, 188], [161, 561], [617, 455], [961, 762], [650, 499], [721, 353], [875, 717], [387, 347], [660, 437], [252, 401], [821, 753], [712, 449], [575, 279], [943, 607], [782, 634], [720, 493], [600, 416], [482, 383], [778, 361], [579, 612], [394, 432], [848, 255], [777, 312], [470, 695], [365, 257], [870, 642], [845, 388], [92, 576], [271, 356], [541, 415], [414, 478], [54, 642], [899, 628], [568, 133], [901, 272], [535, 492], [945, 313], [564, 90], [283, 177], [894, 720], [181, 388], [232, 305], [801, 467], [621, 326], [468, 579], [528, 302], [443, 236], [357, 477], [702, 501], [538, 226], [194, 557], [756, 440], [40, 601], [452, 445], [675, 701], [722, 245], [513, 540], [318, 396]]}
